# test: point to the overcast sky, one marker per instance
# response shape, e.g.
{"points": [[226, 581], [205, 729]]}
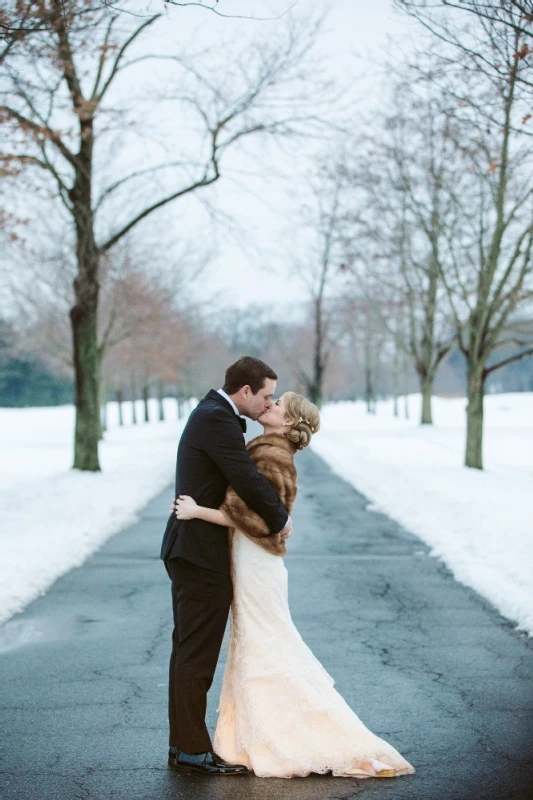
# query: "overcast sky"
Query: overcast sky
{"points": [[252, 264], [257, 267]]}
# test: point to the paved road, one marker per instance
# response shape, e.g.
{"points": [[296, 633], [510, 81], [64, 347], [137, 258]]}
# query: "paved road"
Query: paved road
{"points": [[425, 662]]}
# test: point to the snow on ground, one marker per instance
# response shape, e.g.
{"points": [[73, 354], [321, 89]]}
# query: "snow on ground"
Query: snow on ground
{"points": [[479, 523], [52, 517]]}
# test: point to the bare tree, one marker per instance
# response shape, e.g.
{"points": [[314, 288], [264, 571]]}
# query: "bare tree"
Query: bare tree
{"points": [[397, 246], [57, 107], [494, 15], [485, 68], [317, 261], [369, 342], [153, 354], [136, 302]]}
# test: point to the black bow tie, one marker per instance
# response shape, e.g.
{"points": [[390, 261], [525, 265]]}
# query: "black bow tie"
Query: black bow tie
{"points": [[243, 423]]}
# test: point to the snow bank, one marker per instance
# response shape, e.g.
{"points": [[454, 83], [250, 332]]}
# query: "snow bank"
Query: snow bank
{"points": [[479, 523], [52, 517]]}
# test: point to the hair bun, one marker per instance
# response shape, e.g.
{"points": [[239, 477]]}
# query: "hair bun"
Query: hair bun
{"points": [[304, 419], [300, 435]]}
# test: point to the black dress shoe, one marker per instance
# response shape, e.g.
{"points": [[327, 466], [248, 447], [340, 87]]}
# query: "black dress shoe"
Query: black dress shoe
{"points": [[208, 763]]}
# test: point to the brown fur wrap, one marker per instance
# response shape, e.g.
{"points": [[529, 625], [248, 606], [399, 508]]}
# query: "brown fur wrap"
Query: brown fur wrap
{"points": [[273, 455]]}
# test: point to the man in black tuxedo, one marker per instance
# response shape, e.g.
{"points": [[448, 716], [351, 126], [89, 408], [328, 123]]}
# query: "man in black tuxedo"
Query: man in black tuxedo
{"points": [[211, 456]]}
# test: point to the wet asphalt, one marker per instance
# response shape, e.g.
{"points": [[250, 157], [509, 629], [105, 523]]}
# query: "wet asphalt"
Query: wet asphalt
{"points": [[425, 662]]}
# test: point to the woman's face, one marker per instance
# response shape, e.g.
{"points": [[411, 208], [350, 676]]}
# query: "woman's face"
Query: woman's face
{"points": [[275, 416]]}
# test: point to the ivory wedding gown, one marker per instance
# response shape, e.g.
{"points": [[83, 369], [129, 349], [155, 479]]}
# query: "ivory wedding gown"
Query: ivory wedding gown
{"points": [[279, 713]]}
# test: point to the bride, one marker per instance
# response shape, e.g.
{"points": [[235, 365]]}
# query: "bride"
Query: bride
{"points": [[279, 713]]}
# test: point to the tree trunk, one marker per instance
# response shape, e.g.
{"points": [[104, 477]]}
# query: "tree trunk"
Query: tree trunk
{"points": [[370, 395], [119, 406], [315, 394], [133, 401], [160, 401], [314, 386], [474, 417], [396, 378], [405, 375], [146, 394], [426, 385], [83, 314], [87, 371], [318, 365], [369, 390], [103, 408]]}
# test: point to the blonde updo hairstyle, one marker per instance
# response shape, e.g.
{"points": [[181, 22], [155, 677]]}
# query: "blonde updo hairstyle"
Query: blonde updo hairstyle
{"points": [[304, 419]]}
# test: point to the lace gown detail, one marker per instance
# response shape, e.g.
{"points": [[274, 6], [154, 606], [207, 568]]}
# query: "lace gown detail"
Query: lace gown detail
{"points": [[279, 713]]}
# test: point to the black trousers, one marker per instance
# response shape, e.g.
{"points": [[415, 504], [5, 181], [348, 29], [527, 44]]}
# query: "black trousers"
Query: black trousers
{"points": [[201, 600]]}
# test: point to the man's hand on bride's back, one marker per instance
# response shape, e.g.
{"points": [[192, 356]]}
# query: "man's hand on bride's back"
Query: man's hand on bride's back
{"points": [[184, 507]]}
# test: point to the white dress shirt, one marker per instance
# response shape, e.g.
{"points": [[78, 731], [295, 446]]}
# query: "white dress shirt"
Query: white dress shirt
{"points": [[230, 401]]}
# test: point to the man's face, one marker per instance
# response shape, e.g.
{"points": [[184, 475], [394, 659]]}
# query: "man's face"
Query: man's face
{"points": [[253, 405]]}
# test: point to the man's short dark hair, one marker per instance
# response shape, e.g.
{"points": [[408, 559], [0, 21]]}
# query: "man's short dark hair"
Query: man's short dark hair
{"points": [[247, 371]]}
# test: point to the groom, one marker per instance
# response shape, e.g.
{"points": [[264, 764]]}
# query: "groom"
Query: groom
{"points": [[211, 456]]}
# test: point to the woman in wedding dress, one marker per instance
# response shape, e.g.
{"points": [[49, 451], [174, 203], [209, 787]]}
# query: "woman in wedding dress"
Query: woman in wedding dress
{"points": [[279, 713]]}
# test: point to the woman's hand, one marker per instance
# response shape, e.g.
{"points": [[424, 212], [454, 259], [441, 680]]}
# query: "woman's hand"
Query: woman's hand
{"points": [[186, 507]]}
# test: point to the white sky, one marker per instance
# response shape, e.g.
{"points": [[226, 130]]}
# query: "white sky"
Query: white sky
{"points": [[257, 267]]}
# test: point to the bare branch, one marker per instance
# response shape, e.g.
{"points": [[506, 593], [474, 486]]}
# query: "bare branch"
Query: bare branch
{"points": [[120, 54], [229, 16], [204, 181], [516, 357], [102, 60], [137, 174], [40, 133]]}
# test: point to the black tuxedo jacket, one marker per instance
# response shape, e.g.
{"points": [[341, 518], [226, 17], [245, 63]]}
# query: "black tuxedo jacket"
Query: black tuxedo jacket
{"points": [[211, 456]]}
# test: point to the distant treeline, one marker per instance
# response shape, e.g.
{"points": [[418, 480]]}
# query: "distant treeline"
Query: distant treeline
{"points": [[27, 382]]}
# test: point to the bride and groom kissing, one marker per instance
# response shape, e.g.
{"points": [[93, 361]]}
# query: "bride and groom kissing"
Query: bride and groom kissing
{"points": [[223, 547]]}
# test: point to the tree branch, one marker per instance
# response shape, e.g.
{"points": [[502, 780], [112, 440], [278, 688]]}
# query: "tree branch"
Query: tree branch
{"points": [[506, 361], [102, 58], [228, 16], [205, 181], [137, 174], [41, 132], [121, 52], [66, 55]]}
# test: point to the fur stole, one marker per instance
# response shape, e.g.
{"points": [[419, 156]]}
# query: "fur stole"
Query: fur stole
{"points": [[273, 455]]}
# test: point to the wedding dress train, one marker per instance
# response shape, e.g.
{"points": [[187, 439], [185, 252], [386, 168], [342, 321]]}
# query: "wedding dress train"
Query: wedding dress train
{"points": [[279, 713]]}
